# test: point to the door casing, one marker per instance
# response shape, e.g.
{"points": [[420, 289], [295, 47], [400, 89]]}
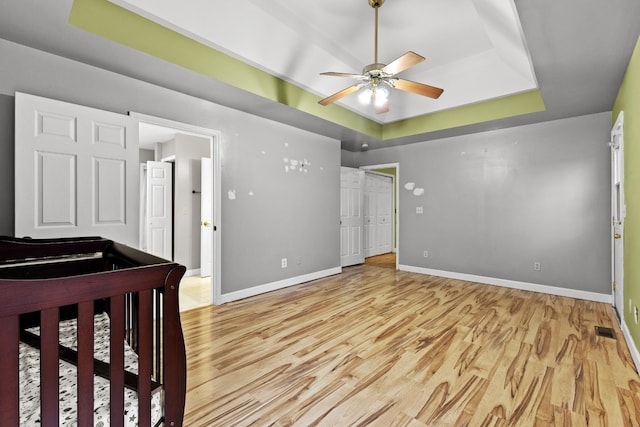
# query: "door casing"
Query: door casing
{"points": [[215, 138], [618, 213]]}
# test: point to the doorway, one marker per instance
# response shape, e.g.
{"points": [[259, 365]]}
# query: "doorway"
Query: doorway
{"points": [[618, 212], [378, 213], [187, 146], [388, 171]]}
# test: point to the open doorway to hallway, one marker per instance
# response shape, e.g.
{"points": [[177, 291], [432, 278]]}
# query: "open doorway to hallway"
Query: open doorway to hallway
{"points": [[196, 192]]}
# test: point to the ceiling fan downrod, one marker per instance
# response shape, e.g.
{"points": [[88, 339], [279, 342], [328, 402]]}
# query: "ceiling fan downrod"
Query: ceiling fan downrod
{"points": [[376, 5]]}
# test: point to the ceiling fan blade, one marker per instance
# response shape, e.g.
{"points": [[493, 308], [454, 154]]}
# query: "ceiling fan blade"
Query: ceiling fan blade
{"points": [[407, 60], [344, 92], [332, 73], [419, 88]]}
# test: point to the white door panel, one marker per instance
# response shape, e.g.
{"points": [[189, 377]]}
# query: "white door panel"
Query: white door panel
{"points": [[385, 215], [206, 218], [159, 209], [378, 214], [369, 216], [351, 216], [76, 171]]}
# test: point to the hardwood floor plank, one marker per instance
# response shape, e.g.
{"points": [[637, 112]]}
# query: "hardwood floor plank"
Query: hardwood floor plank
{"points": [[373, 346]]}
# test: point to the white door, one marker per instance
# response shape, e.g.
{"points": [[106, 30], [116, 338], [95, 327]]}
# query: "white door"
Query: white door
{"points": [[370, 215], [159, 218], [618, 212], [378, 214], [351, 216], [76, 171], [206, 218], [384, 215]]}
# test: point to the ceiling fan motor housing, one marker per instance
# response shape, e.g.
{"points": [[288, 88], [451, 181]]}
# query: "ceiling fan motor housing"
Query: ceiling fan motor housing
{"points": [[374, 70]]}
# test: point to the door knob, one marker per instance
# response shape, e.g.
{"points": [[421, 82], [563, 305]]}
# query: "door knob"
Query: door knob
{"points": [[205, 223], [617, 236]]}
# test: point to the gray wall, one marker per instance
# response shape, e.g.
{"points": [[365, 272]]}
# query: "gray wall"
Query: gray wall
{"points": [[496, 202], [292, 215], [279, 211], [146, 156]]}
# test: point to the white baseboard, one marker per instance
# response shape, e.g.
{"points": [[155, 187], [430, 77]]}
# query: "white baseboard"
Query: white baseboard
{"points": [[194, 272], [268, 287], [633, 349], [534, 287]]}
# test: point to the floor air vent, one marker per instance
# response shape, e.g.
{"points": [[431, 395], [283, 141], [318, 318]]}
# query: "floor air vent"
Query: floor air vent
{"points": [[601, 331]]}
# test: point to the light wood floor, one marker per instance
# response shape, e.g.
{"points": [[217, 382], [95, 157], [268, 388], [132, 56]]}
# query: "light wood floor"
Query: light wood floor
{"points": [[195, 291], [384, 260], [373, 346]]}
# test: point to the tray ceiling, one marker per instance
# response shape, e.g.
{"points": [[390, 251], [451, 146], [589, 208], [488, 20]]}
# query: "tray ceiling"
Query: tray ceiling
{"points": [[474, 49]]}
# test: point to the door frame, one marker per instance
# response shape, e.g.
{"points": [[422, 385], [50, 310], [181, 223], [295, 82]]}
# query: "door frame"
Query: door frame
{"points": [[396, 198], [617, 130], [215, 138]]}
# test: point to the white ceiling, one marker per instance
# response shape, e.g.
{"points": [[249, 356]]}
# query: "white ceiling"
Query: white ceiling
{"points": [[150, 134], [475, 49], [580, 50]]}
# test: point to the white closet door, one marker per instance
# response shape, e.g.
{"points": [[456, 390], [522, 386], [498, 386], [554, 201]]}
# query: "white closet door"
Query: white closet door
{"points": [[378, 214], [76, 171], [351, 216], [370, 209], [385, 215]]}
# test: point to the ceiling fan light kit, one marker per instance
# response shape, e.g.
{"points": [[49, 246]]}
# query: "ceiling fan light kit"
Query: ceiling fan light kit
{"points": [[378, 78]]}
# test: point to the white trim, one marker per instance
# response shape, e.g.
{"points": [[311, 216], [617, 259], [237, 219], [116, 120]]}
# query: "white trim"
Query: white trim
{"points": [[632, 346], [273, 286], [193, 272], [617, 130], [373, 172], [534, 287]]}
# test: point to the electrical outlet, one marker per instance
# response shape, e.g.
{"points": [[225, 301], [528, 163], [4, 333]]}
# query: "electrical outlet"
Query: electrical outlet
{"points": [[426, 254], [635, 314], [298, 260], [284, 263], [419, 209], [537, 266]]}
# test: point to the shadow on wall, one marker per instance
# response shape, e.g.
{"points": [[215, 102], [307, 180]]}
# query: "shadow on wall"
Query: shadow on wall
{"points": [[7, 118]]}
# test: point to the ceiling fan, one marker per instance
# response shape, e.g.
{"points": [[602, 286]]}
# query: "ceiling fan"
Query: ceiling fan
{"points": [[377, 77]]}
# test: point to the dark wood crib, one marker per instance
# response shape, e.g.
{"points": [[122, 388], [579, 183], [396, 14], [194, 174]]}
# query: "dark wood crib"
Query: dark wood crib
{"points": [[44, 282]]}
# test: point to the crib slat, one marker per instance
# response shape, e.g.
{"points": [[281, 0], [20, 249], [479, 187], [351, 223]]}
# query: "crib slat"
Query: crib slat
{"points": [[49, 387], [117, 361], [10, 384], [85, 363], [157, 311], [145, 359]]}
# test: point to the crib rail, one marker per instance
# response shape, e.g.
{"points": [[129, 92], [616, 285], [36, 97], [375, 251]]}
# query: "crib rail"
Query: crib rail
{"points": [[141, 292]]}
